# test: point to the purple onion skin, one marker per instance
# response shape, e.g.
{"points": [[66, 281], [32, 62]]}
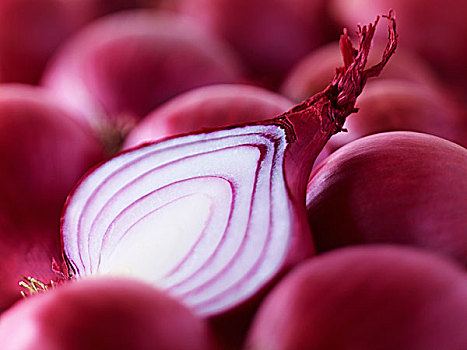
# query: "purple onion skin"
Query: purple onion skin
{"points": [[379, 297], [208, 107], [43, 152], [30, 32], [103, 314], [397, 187], [122, 66], [270, 36]]}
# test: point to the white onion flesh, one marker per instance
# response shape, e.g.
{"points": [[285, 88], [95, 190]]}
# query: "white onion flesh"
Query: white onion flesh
{"points": [[206, 217]]}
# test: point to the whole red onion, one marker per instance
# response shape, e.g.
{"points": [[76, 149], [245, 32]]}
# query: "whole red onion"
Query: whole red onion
{"points": [[43, 152], [104, 314], [397, 187], [378, 297], [122, 66]]}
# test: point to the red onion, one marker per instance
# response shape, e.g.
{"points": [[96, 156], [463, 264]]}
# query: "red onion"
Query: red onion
{"points": [[104, 314], [314, 71], [30, 32], [208, 107], [236, 196], [122, 66], [43, 152], [270, 36], [381, 298], [436, 30], [397, 187]]}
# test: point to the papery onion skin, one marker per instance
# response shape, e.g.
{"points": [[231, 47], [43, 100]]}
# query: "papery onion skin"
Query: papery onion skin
{"points": [[103, 314], [396, 187], [124, 65], [43, 153], [379, 297], [30, 32], [208, 107]]}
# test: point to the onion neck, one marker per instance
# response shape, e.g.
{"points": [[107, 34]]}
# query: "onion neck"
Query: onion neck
{"points": [[311, 124]]}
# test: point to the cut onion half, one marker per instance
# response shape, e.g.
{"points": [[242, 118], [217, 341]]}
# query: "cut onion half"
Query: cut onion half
{"points": [[213, 217], [205, 216]]}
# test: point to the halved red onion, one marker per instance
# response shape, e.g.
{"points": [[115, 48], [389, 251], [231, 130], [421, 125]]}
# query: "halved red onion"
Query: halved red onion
{"points": [[192, 215], [104, 314], [213, 217]]}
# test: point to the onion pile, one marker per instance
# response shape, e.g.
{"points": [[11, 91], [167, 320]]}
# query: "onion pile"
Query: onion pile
{"points": [[219, 202], [104, 314], [398, 187]]}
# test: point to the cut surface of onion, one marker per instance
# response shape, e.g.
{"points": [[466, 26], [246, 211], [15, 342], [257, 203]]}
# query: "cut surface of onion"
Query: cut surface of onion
{"points": [[215, 216], [179, 214]]}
